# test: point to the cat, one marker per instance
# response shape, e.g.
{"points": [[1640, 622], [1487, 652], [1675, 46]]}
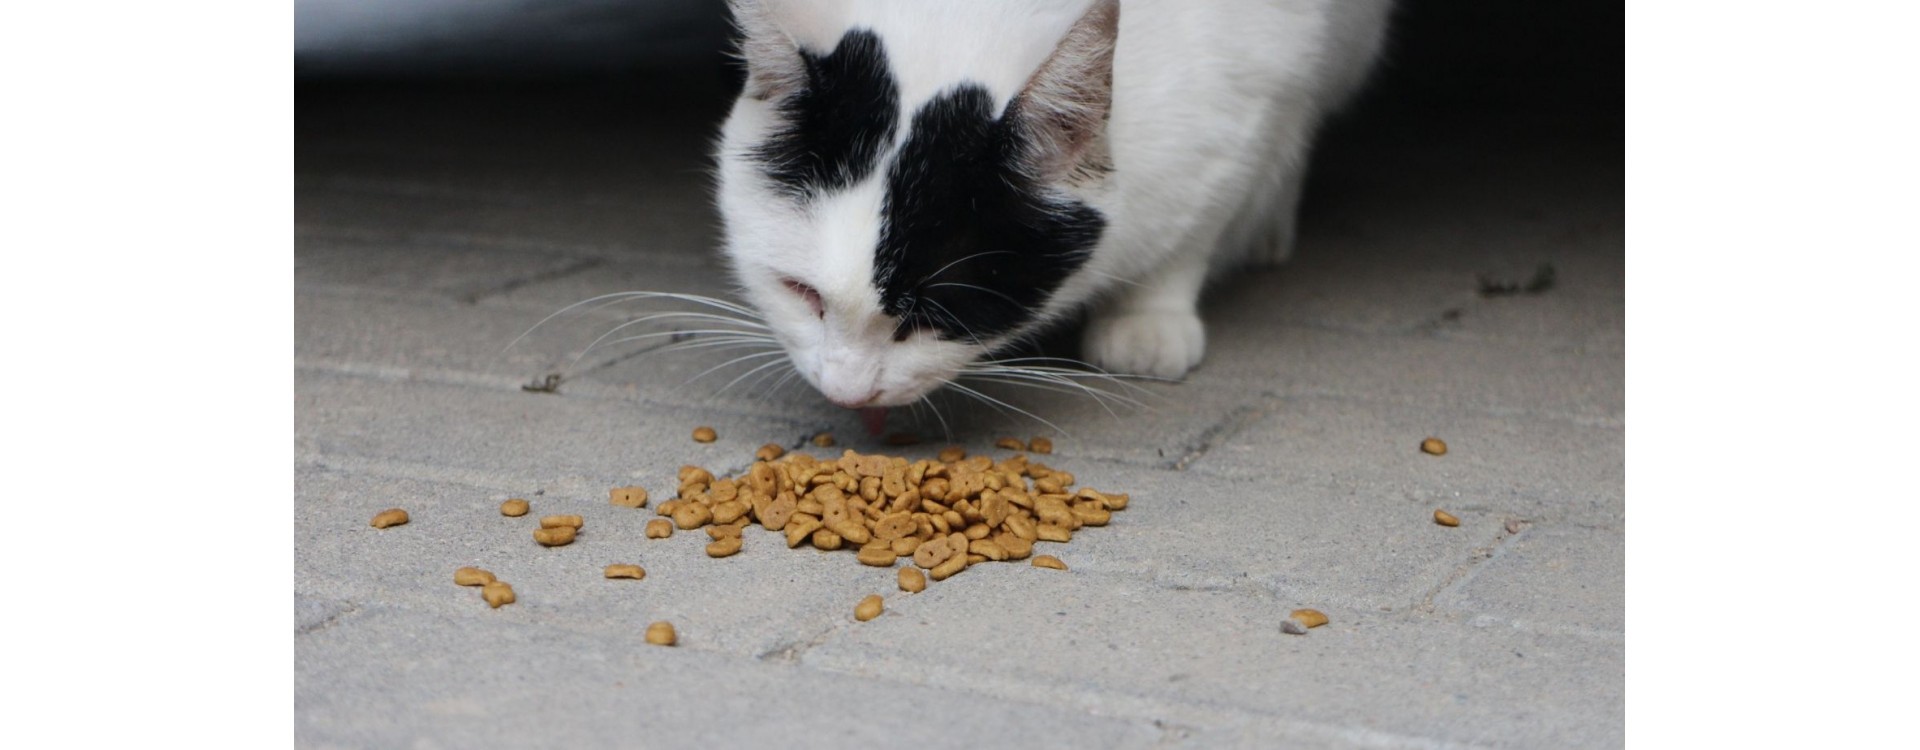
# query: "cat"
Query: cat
{"points": [[908, 186]]}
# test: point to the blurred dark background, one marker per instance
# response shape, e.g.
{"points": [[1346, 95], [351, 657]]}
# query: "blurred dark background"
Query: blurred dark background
{"points": [[587, 123]]}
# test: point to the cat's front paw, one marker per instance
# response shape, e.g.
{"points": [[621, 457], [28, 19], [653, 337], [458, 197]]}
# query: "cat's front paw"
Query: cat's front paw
{"points": [[1157, 344]]}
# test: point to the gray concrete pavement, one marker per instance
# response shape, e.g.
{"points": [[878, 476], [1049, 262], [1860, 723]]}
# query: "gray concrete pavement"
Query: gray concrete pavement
{"points": [[1283, 474]]}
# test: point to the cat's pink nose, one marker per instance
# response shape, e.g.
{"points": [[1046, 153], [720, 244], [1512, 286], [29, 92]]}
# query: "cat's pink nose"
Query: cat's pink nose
{"points": [[855, 403]]}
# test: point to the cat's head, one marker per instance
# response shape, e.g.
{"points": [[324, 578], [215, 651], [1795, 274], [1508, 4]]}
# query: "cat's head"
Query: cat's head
{"points": [[903, 184]]}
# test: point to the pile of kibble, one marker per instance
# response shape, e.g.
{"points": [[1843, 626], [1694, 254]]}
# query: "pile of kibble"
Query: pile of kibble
{"points": [[946, 513]]}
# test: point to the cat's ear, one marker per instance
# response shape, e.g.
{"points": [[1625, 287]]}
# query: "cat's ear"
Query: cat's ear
{"points": [[1063, 109], [774, 66]]}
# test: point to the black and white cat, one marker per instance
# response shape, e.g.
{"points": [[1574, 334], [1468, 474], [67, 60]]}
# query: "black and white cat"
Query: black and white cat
{"points": [[909, 185]]}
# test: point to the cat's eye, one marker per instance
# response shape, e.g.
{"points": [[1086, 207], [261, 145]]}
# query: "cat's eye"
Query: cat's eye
{"points": [[807, 294]]}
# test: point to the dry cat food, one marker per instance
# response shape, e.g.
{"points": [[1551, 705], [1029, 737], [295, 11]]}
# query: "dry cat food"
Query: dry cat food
{"points": [[554, 522], [472, 577], [515, 508], [1048, 561], [659, 528], [661, 634], [1433, 446], [1012, 444], [1041, 445], [705, 435], [944, 515], [628, 497], [1311, 618], [823, 440], [389, 517], [634, 572], [869, 608], [556, 536], [1445, 519], [497, 593]]}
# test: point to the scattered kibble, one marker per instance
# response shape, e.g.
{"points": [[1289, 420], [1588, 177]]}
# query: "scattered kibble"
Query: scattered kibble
{"points": [[1009, 443], [472, 577], [515, 508], [557, 536], [497, 593], [912, 580], [1041, 445], [634, 572], [1311, 618], [1433, 446], [390, 517], [1445, 519], [823, 440], [554, 522], [770, 452], [1048, 561], [661, 634], [869, 608], [628, 497], [705, 435]]}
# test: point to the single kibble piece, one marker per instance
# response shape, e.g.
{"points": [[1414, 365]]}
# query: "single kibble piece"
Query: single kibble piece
{"points": [[1012, 444], [390, 517], [704, 435], [1312, 618], [912, 580], [1048, 561], [1434, 446], [515, 508], [628, 497], [472, 577], [554, 537], [1041, 445], [496, 594], [879, 556], [723, 546], [1292, 628], [769, 452], [554, 522], [659, 528], [634, 572], [869, 608], [953, 454], [661, 634], [1445, 519], [823, 440]]}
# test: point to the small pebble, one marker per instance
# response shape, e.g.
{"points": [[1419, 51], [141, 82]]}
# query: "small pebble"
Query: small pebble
{"points": [[1292, 628]]}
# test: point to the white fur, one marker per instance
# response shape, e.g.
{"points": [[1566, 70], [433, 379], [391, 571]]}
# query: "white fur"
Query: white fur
{"points": [[1214, 107]]}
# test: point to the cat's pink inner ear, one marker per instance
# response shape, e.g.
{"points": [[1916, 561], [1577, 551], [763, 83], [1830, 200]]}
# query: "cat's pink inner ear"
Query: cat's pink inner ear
{"points": [[774, 67], [1063, 108]]}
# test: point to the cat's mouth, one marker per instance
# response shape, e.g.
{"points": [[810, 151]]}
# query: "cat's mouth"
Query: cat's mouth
{"points": [[874, 418]]}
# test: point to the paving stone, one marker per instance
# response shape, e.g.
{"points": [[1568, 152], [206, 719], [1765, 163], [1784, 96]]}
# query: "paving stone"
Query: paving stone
{"points": [[1555, 577], [1108, 644], [400, 678]]}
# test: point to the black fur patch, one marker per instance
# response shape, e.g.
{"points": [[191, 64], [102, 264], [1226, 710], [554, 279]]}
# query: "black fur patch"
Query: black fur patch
{"points": [[972, 247], [835, 127]]}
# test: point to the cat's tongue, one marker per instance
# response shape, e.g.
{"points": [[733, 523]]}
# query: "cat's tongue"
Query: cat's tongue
{"points": [[875, 419]]}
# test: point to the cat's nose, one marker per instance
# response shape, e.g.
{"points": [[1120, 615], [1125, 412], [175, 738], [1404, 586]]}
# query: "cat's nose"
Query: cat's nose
{"points": [[846, 403]]}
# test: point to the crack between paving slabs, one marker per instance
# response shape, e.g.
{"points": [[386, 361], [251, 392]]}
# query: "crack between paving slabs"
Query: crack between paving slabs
{"points": [[1219, 432]]}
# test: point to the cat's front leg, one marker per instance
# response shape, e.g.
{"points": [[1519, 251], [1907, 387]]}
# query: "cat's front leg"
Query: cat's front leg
{"points": [[1153, 327]]}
